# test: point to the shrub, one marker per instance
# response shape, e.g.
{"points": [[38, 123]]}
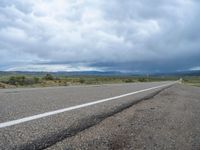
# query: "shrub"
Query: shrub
{"points": [[82, 80], [17, 80], [48, 77], [128, 80], [36, 80], [22, 80], [2, 85], [142, 79], [12, 80]]}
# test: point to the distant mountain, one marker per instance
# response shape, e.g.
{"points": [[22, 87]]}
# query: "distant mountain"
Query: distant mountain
{"points": [[180, 73], [101, 73], [64, 73], [190, 73]]}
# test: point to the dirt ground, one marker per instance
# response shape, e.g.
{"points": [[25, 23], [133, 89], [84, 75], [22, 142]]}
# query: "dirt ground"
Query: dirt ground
{"points": [[169, 121]]}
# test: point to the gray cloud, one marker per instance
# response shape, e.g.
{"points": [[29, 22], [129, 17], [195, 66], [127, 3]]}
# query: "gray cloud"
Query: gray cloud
{"points": [[140, 35]]}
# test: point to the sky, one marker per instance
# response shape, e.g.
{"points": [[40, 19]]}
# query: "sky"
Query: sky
{"points": [[100, 35]]}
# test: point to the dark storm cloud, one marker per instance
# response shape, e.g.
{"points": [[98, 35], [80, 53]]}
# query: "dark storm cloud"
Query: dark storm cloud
{"points": [[139, 35]]}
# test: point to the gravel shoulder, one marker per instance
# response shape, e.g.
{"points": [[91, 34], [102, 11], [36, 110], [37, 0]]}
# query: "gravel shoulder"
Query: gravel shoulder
{"points": [[169, 121]]}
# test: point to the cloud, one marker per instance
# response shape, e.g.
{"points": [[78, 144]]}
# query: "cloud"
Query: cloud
{"points": [[138, 35], [195, 68], [51, 68]]}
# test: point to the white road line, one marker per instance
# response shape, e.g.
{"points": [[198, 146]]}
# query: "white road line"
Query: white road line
{"points": [[30, 118]]}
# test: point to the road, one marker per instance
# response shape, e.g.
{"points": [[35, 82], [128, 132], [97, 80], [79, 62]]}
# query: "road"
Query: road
{"points": [[36, 118], [168, 121]]}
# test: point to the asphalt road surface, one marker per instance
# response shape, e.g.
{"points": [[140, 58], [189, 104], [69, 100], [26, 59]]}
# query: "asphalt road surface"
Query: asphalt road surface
{"points": [[168, 121], [36, 118]]}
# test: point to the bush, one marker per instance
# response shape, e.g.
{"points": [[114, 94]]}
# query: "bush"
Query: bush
{"points": [[12, 80], [22, 80], [48, 77], [128, 80], [2, 85], [36, 80], [17, 80], [142, 79], [82, 80]]}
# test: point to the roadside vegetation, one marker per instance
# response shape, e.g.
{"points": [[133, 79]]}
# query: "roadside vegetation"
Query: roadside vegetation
{"points": [[192, 80], [12, 81]]}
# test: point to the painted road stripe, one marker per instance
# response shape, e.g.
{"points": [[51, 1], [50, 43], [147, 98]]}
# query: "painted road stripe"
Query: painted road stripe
{"points": [[30, 118]]}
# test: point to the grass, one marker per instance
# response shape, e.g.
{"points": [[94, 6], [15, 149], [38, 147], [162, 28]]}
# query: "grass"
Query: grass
{"points": [[194, 80], [15, 80]]}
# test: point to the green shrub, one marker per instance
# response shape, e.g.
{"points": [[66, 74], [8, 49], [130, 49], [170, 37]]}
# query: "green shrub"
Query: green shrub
{"points": [[22, 80], [81, 80], [36, 80], [17, 80], [48, 77], [128, 80], [142, 79]]}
